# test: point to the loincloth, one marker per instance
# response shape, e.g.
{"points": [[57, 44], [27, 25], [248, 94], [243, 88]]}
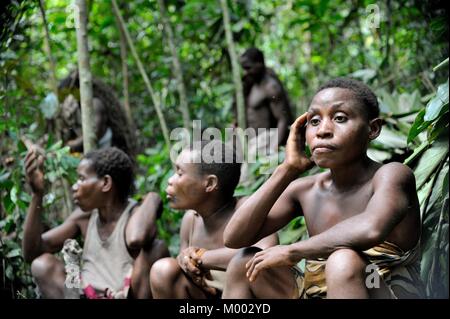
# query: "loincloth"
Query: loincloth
{"points": [[399, 270]]}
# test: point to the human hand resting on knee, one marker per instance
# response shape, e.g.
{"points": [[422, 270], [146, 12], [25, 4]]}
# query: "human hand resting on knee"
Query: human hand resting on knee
{"points": [[270, 257], [190, 262]]}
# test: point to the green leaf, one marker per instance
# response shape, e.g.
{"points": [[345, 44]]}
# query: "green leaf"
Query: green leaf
{"points": [[25, 197], [13, 194], [242, 191], [292, 232], [423, 193], [445, 186], [391, 139], [21, 147], [9, 272], [439, 127], [437, 103], [364, 74], [427, 254], [416, 153], [430, 161], [378, 155], [434, 200], [8, 204], [52, 176], [55, 146], [14, 253], [418, 126], [4, 177], [388, 103], [323, 5], [407, 102]]}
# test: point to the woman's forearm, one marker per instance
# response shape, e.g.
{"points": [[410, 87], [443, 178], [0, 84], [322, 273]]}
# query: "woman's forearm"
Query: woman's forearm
{"points": [[244, 227], [33, 228]]}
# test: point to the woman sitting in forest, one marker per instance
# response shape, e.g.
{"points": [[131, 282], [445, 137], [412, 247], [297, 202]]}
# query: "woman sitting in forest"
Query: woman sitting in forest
{"points": [[120, 243], [205, 190], [111, 125]]}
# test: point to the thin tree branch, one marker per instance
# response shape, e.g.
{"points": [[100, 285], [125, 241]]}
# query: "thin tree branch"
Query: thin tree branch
{"points": [[123, 58], [155, 100], [54, 88], [234, 66], [176, 65]]}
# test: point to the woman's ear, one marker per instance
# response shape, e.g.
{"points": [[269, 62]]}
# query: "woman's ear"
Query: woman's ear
{"points": [[107, 183], [211, 183], [375, 128]]}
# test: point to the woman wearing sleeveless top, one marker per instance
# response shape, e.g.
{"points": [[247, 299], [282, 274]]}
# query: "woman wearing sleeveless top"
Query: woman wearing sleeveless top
{"points": [[120, 243]]}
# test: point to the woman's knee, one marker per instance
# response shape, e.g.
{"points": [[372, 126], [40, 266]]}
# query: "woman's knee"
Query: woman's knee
{"points": [[43, 266], [164, 271], [345, 264]]}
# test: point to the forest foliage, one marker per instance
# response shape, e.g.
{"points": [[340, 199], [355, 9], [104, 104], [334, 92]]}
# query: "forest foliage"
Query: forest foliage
{"points": [[399, 48]]}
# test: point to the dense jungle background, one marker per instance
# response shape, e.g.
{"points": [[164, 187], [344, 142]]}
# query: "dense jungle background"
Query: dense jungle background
{"points": [[399, 48]]}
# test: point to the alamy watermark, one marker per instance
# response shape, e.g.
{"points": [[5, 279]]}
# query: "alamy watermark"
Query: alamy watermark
{"points": [[247, 145], [73, 16], [373, 277], [373, 18]]}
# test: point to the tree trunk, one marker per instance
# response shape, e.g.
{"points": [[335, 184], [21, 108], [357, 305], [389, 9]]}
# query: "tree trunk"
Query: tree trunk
{"points": [[144, 75], [54, 88], [176, 65], [234, 66], [87, 109]]}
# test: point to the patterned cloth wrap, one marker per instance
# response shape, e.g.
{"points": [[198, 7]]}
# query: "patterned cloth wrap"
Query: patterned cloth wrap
{"points": [[75, 288], [399, 270]]}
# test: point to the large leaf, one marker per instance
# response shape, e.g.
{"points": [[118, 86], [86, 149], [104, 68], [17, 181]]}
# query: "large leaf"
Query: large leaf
{"points": [[399, 104], [378, 155], [435, 106], [364, 74], [388, 104], [423, 193], [417, 151], [418, 126], [434, 197], [391, 139], [409, 102], [435, 250], [440, 126], [14, 253], [430, 161], [427, 253], [445, 185]]}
